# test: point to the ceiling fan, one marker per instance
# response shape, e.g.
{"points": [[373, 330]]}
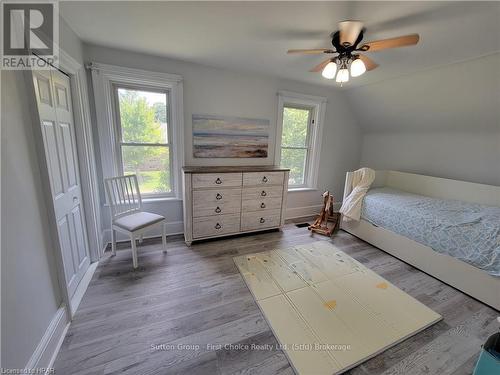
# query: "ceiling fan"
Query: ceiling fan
{"points": [[347, 44]]}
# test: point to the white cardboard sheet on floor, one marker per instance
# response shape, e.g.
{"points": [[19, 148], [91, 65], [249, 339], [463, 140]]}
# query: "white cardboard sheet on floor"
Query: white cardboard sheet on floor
{"points": [[328, 311]]}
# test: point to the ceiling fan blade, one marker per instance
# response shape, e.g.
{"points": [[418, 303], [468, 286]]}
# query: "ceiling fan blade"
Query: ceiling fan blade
{"points": [[400, 41], [311, 51], [320, 66], [349, 32], [369, 63]]}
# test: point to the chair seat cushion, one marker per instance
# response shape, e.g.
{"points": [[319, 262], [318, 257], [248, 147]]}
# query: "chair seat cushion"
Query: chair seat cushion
{"points": [[137, 220]]}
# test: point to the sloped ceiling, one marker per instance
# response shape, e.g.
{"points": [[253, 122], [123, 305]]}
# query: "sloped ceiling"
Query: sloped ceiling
{"points": [[462, 97]]}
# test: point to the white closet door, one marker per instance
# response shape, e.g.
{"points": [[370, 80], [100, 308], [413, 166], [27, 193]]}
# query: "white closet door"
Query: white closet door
{"points": [[53, 96]]}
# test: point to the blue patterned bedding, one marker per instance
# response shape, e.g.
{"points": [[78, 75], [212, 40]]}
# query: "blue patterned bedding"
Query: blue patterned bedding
{"points": [[467, 231]]}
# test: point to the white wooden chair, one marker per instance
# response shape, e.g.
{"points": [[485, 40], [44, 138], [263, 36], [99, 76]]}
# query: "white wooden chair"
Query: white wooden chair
{"points": [[127, 216]]}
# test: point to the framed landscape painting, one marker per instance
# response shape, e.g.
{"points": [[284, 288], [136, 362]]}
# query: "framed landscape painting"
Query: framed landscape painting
{"points": [[229, 137]]}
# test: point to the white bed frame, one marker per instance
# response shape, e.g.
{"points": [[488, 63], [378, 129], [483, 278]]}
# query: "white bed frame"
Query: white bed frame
{"points": [[468, 279]]}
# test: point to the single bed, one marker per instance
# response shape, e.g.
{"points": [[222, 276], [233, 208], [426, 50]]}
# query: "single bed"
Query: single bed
{"points": [[449, 229]]}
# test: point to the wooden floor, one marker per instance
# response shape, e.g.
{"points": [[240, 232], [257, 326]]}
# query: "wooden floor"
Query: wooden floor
{"points": [[178, 312]]}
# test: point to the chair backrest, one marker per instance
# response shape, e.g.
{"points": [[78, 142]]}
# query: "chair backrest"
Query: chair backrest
{"points": [[123, 194]]}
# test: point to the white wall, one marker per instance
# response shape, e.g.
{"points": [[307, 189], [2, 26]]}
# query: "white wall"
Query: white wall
{"points": [[210, 90], [464, 156], [443, 122], [30, 290]]}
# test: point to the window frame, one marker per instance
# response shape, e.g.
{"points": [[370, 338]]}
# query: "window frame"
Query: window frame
{"points": [[317, 106], [104, 78], [120, 143]]}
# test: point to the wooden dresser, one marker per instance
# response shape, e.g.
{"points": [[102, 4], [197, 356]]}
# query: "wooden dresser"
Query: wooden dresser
{"points": [[221, 201]]}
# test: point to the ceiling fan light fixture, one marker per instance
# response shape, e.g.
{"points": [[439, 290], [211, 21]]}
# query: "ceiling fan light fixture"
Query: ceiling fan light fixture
{"points": [[329, 70], [357, 67], [343, 75], [348, 59]]}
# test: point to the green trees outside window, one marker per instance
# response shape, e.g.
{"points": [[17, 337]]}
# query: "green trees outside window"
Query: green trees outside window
{"points": [[144, 139], [295, 143]]}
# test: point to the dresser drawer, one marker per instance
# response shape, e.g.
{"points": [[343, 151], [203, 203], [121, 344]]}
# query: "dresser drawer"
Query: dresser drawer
{"points": [[214, 209], [263, 178], [261, 204], [260, 220], [216, 225], [209, 198], [257, 193], [209, 180]]}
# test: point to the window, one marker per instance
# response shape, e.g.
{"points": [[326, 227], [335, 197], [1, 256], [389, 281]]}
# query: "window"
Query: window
{"points": [[143, 138], [299, 126], [140, 127], [295, 142]]}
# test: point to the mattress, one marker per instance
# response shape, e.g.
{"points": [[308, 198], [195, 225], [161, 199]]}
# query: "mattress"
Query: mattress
{"points": [[466, 231]]}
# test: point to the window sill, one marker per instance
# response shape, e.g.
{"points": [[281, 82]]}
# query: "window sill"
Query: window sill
{"points": [[301, 189], [152, 200], [148, 200]]}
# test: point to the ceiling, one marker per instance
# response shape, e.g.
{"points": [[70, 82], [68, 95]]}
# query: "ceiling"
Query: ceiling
{"points": [[254, 36]]}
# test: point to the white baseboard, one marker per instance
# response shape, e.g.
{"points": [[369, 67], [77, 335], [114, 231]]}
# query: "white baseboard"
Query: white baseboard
{"points": [[82, 288], [296, 212], [48, 347], [173, 227], [177, 227]]}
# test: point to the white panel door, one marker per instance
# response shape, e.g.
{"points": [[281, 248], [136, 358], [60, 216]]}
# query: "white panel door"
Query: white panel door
{"points": [[53, 94]]}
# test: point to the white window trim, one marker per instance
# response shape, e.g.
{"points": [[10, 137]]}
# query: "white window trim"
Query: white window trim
{"points": [[104, 78], [318, 104]]}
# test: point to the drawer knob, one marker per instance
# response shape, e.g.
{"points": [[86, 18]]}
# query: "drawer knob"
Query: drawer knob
{"points": [[264, 179], [263, 193], [218, 181], [218, 226], [262, 220], [218, 210], [218, 196], [262, 205]]}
